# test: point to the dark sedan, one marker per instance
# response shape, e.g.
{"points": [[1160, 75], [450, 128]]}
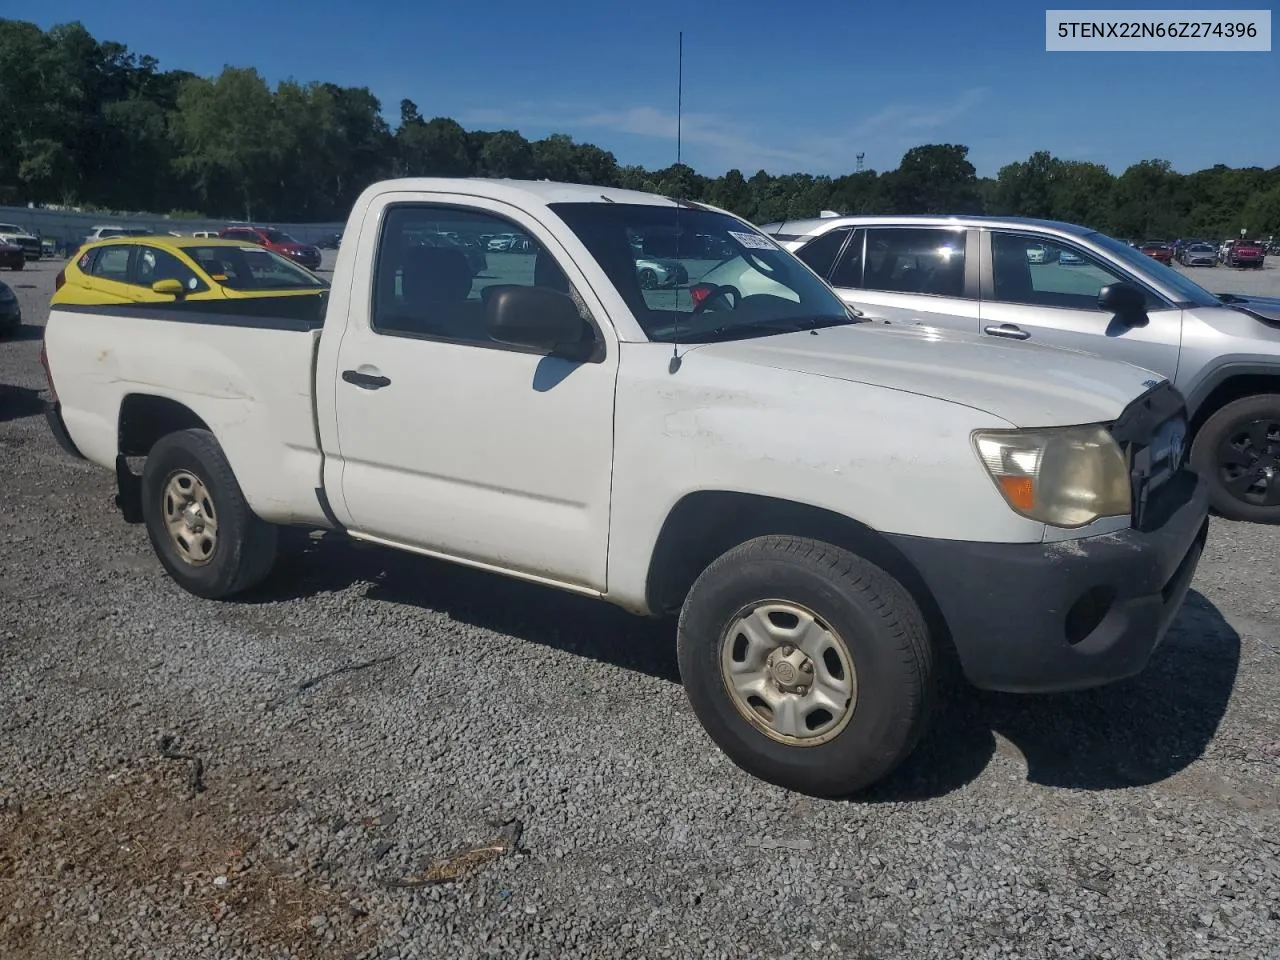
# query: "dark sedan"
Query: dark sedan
{"points": [[10, 310], [12, 256]]}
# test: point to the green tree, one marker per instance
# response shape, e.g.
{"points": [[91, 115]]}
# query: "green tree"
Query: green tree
{"points": [[936, 178]]}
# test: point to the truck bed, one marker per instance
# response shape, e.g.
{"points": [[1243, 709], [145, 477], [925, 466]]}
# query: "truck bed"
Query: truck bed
{"points": [[253, 371]]}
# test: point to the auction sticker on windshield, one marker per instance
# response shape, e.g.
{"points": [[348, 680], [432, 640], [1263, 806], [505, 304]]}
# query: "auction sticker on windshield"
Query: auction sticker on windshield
{"points": [[753, 241]]}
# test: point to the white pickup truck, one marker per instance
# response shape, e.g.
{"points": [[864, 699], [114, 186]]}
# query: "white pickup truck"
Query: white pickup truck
{"points": [[830, 503]]}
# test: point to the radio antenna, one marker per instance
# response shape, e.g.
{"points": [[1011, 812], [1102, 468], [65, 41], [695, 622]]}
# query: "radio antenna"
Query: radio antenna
{"points": [[679, 91], [674, 365]]}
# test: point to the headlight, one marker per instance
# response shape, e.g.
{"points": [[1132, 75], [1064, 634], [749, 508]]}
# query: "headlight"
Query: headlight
{"points": [[1062, 476]]}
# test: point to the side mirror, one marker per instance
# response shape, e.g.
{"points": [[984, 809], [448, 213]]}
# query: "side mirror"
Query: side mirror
{"points": [[170, 287], [539, 318], [1126, 301]]}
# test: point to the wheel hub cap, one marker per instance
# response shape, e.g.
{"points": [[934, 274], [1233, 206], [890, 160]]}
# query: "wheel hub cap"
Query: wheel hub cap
{"points": [[788, 673], [1248, 461], [189, 518]]}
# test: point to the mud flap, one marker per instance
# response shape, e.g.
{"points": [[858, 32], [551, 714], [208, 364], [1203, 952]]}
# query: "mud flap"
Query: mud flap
{"points": [[128, 492]]}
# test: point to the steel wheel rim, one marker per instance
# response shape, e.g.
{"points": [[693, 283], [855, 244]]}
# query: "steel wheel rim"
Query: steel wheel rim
{"points": [[1249, 462], [788, 673], [190, 518]]}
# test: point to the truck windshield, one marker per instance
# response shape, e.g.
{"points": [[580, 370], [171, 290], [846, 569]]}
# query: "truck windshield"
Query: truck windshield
{"points": [[252, 268], [696, 276], [1187, 290]]}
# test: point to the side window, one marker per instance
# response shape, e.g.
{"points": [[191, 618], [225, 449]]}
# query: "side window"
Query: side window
{"points": [[848, 271], [155, 265], [915, 260], [112, 263], [434, 270], [820, 253], [1043, 273]]}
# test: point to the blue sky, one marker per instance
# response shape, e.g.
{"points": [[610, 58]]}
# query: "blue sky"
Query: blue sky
{"points": [[776, 85]]}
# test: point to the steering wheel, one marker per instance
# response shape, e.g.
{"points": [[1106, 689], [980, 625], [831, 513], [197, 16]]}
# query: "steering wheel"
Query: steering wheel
{"points": [[719, 290]]}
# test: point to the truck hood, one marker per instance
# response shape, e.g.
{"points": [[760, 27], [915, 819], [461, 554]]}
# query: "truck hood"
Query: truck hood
{"points": [[1024, 384]]}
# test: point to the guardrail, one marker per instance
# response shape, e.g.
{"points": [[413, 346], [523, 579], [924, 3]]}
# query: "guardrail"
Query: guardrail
{"points": [[68, 228]]}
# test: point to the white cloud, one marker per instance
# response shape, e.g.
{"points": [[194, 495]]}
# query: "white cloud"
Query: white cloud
{"points": [[722, 142]]}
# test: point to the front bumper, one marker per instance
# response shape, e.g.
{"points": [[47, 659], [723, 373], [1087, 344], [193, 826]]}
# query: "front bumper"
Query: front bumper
{"points": [[1044, 617], [10, 315]]}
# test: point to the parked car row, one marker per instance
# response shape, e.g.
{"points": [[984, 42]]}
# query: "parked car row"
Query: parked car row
{"points": [[1236, 252], [849, 448]]}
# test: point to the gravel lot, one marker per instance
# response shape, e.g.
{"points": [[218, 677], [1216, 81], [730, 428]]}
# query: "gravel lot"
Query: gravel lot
{"points": [[368, 715]]}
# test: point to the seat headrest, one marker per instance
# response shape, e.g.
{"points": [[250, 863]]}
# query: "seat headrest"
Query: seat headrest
{"points": [[435, 274]]}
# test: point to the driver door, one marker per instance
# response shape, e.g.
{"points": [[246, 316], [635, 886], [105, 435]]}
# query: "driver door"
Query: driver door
{"points": [[448, 441]]}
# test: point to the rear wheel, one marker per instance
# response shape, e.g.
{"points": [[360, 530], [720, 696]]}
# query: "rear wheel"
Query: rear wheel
{"points": [[201, 527], [808, 666], [1238, 452]]}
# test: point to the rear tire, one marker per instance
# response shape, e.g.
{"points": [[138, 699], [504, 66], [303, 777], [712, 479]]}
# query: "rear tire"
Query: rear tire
{"points": [[1238, 442], [189, 492], [859, 641]]}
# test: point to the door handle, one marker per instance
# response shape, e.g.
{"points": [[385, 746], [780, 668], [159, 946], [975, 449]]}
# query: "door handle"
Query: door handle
{"points": [[1007, 330], [366, 380]]}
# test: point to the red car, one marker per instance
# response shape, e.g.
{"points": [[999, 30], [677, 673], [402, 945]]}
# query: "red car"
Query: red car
{"points": [[276, 241], [12, 256], [1158, 250], [1244, 253]]}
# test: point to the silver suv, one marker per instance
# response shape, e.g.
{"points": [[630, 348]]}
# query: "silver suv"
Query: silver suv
{"points": [[1069, 286]]}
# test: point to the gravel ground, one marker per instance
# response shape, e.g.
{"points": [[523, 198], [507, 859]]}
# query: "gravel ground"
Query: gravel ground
{"points": [[368, 715]]}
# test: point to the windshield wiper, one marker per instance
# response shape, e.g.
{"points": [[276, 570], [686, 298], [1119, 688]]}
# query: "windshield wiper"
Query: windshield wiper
{"points": [[770, 328]]}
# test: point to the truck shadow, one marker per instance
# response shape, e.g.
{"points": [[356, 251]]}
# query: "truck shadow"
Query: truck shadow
{"points": [[19, 402], [25, 332], [1127, 734], [533, 613]]}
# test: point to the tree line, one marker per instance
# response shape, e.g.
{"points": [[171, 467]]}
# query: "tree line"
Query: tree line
{"points": [[88, 123]]}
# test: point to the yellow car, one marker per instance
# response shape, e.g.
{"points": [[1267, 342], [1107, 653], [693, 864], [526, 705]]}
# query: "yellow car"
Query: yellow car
{"points": [[165, 269]]}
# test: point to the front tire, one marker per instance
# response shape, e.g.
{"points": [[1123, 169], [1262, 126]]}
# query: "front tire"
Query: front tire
{"points": [[200, 525], [808, 666], [1238, 452]]}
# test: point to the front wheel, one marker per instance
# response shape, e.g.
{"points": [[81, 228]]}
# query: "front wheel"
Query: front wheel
{"points": [[1238, 452], [200, 526], [808, 666]]}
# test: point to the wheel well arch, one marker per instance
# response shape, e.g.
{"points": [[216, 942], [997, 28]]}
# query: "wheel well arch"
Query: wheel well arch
{"points": [[1231, 388], [145, 418], [706, 523]]}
